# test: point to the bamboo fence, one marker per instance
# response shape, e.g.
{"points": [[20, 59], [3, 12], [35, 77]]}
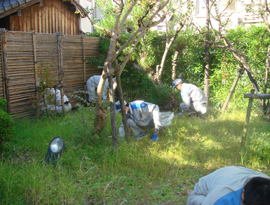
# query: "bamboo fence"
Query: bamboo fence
{"points": [[22, 53]]}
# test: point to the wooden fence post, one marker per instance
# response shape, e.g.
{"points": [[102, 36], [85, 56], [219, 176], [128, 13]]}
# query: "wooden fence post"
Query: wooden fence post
{"points": [[35, 70], [35, 57], [243, 141], [60, 70], [60, 57], [5, 67], [84, 69]]}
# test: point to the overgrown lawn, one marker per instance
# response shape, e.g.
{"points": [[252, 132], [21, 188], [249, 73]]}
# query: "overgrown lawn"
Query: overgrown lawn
{"points": [[139, 172]]}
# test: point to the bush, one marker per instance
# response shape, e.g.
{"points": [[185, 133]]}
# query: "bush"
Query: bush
{"points": [[6, 123], [3, 104]]}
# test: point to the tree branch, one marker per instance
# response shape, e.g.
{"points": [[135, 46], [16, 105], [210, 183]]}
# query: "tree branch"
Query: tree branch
{"points": [[127, 13]]}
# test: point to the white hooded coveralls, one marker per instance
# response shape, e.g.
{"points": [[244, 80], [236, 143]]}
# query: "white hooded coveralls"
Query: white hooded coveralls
{"points": [[222, 187], [56, 103], [193, 98], [92, 84]]}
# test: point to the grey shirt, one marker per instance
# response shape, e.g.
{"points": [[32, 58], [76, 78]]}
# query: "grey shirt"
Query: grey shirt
{"points": [[223, 186], [192, 94]]}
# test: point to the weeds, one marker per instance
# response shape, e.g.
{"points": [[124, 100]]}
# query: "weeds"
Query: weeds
{"points": [[139, 172]]}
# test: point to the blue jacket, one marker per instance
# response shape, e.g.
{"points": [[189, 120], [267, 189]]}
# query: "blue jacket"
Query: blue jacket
{"points": [[142, 113], [222, 187]]}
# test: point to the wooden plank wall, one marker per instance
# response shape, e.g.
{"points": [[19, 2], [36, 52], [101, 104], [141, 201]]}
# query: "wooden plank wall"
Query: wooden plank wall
{"points": [[24, 48], [54, 16], [1, 78]]}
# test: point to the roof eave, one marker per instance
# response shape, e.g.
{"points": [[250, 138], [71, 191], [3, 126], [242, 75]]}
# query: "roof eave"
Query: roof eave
{"points": [[10, 10]]}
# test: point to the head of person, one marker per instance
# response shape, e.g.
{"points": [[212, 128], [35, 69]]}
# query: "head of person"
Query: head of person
{"points": [[257, 192], [118, 106], [177, 84]]}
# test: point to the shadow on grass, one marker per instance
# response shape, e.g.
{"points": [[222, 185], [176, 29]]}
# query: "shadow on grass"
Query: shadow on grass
{"points": [[139, 172]]}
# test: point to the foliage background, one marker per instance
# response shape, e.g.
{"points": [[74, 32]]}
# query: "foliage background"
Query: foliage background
{"points": [[252, 41]]}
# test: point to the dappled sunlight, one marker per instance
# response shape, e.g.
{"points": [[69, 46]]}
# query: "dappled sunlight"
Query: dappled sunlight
{"points": [[186, 150]]}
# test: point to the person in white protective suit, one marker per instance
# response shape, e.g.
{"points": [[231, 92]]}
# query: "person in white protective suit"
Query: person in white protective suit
{"points": [[232, 185], [141, 116], [92, 84], [194, 100], [55, 102]]}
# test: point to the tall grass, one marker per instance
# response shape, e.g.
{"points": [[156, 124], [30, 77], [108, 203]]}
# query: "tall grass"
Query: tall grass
{"points": [[139, 172]]}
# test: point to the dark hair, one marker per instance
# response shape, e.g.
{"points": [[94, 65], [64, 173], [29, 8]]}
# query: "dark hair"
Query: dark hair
{"points": [[257, 191], [127, 105]]}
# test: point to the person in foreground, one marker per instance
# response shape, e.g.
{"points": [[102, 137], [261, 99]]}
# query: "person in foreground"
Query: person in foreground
{"points": [[141, 116], [194, 100], [232, 185]]}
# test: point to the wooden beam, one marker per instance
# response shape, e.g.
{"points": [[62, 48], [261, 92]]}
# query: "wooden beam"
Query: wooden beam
{"points": [[11, 11], [257, 96], [5, 68]]}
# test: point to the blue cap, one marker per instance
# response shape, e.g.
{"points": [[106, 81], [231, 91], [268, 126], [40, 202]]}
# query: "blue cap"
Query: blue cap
{"points": [[176, 82]]}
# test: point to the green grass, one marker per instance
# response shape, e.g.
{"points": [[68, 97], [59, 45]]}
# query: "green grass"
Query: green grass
{"points": [[139, 172]]}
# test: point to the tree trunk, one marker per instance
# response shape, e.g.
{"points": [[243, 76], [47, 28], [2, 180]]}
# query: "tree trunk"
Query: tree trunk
{"points": [[101, 112], [207, 55], [113, 113], [167, 47], [242, 59], [267, 64], [174, 64], [124, 116], [240, 72]]}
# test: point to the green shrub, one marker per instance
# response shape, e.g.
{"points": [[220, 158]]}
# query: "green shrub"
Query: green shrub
{"points": [[6, 126], [3, 104]]}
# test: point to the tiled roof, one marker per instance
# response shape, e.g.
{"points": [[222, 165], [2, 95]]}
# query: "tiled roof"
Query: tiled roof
{"points": [[9, 6], [6, 5]]}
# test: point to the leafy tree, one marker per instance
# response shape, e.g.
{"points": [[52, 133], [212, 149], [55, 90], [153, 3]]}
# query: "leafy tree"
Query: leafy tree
{"points": [[182, 19], [221, 40], [261, 9], [145, 14]]}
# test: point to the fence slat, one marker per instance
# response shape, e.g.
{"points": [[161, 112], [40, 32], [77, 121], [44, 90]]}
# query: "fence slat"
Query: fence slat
{"points": [[26, 52]]}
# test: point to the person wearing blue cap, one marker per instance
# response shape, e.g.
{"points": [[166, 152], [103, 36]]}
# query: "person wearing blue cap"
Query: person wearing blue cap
{"points": [[141, 116], [194, 100], [231, 185], [92, 84]]}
